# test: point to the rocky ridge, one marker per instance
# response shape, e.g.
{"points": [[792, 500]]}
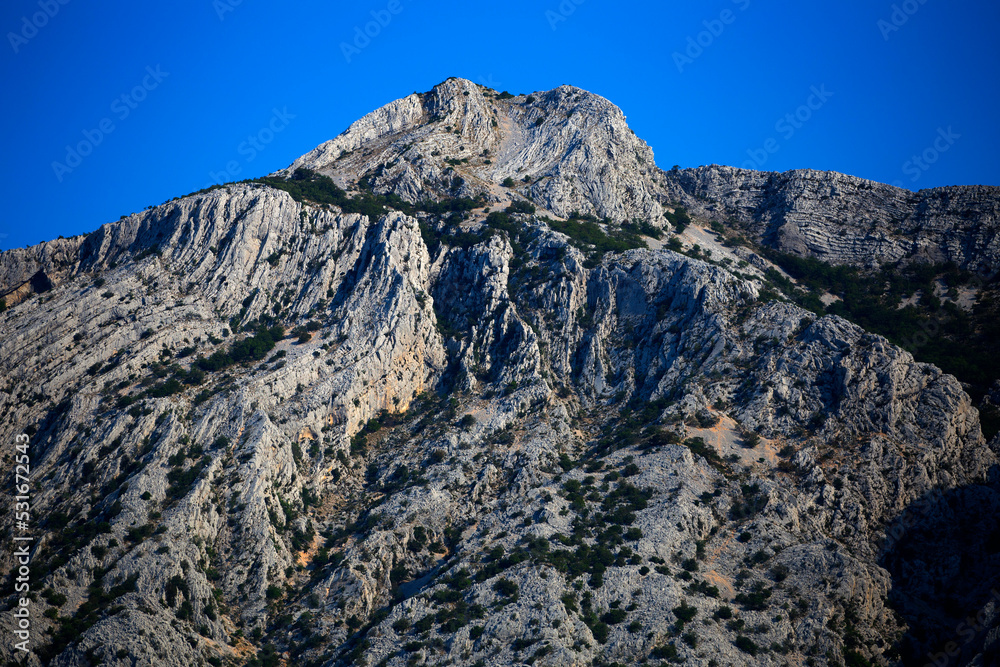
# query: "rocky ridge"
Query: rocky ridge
{"points": [[848, 220], [492, 448]]}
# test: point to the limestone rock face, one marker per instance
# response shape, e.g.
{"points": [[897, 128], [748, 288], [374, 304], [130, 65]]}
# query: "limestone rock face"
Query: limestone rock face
{"points": [[565, 149], [848, 220], [478, 440]]}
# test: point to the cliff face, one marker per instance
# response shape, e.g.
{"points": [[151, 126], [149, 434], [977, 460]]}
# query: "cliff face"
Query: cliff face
{"points": [[481, 442], [847, 220]]}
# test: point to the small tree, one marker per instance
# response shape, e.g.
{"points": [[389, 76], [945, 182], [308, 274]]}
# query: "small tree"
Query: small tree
{"points": [[506, 588], [746, 645], [685, 613]]}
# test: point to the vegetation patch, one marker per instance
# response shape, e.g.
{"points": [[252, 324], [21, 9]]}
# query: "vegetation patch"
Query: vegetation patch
{"points": [[585, 233], [934, 330]]}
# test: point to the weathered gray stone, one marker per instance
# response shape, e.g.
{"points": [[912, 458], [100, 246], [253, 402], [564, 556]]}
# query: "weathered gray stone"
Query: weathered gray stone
{"points": [[450, 409]]}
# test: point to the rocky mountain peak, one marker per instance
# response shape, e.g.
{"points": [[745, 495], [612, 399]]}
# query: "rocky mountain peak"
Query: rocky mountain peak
{"points": [[565, 149]]}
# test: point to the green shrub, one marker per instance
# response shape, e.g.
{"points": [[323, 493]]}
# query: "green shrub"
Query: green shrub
{"points": [[186, 611], [586, 234], [854, 659], [699, 448], [614, 616], [600, 631], [164, 389], [181, 480], [724, 612], [684, 612], [643, 227], [666, 652], [521, 207], [631, 470], [707, 419], [505, 588], [756, 599], [747, 645], [139, 534], [752, 502], [174, 585], [679, 218]]}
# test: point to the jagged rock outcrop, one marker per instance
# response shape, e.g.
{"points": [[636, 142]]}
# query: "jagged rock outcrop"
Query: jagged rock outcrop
{"points": [[848, 220], [566, 149], [263, 427]]}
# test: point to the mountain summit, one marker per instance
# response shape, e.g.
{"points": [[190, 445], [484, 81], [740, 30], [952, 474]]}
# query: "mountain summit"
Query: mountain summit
{"points": [[567, 149], [476, 383]]}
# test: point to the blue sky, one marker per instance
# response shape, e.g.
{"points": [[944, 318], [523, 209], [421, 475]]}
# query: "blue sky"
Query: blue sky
{"points": [[162, 96]]}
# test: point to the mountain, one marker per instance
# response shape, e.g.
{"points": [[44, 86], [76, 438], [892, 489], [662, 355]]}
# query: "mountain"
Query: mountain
{"points": [[847, 220], [476, 383]]}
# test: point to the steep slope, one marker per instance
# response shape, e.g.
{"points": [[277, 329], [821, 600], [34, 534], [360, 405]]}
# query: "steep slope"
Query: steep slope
{"points": [[848, 220], [264, 426]]}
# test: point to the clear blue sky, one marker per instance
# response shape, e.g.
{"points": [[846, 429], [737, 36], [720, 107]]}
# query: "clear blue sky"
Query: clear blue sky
{"points": [[225, 66]]}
